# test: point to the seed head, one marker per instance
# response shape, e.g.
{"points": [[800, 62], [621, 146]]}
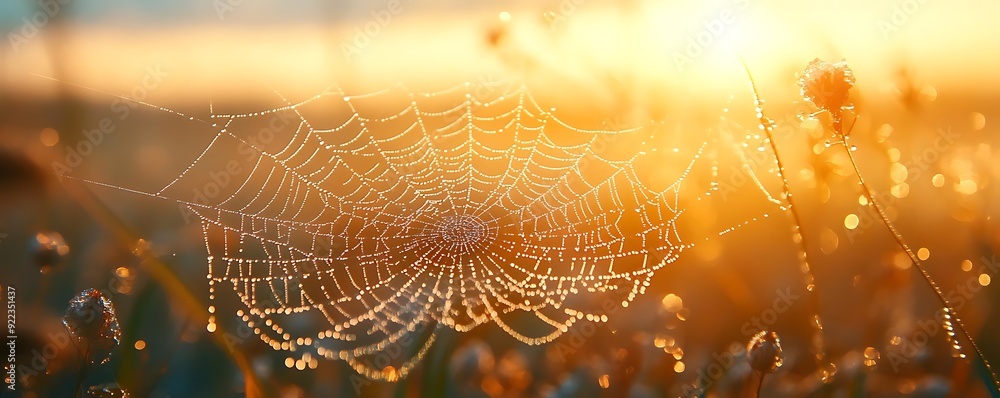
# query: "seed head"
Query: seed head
{"points": [[764, 352], [827, 85], [91, 319]]}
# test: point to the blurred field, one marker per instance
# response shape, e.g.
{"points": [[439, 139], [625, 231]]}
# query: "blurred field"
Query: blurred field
{"points": [[926, 94]]}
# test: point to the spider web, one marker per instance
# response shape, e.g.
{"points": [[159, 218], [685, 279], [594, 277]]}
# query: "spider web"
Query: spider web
{"points": [[383, 216]]}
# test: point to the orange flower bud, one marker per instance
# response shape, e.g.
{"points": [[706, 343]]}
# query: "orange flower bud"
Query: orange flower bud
{"points": [[827, 85]]}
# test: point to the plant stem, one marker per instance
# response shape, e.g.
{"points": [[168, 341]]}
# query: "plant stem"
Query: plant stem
{"points": [[760, 383], [84, 366], [917, 263], [768, 128]]}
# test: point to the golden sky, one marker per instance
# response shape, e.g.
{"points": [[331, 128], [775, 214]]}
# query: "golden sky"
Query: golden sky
{"points": [[689, 46]]}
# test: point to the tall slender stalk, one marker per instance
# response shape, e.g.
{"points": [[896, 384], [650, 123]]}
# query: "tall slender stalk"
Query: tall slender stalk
{"points": [[84, 368], [916, 261], [760, 383], [768, 128]]}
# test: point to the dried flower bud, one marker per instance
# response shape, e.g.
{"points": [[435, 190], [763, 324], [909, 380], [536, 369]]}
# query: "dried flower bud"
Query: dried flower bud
{"points": [[764, 352], [827, 85], [91, 319], [110, 390]]}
